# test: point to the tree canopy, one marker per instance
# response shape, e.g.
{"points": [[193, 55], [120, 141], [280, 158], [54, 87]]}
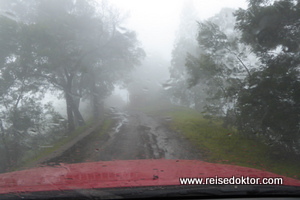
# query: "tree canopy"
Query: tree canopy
{"points": [[79, 49], [249, 68], [270, 104]]}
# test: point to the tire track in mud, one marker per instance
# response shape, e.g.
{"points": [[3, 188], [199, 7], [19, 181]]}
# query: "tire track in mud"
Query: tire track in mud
{"points": [[170, 144]]}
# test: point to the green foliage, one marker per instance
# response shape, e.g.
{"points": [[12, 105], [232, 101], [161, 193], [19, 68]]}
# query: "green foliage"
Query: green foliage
{"points": [[266, 26], [211, 37], [261, 99], [220, 66], [185, 44], [203, 69], [269, 104], [78, 48]]}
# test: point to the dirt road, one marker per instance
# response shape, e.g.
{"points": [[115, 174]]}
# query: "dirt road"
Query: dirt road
{"points": [[134, 136]]}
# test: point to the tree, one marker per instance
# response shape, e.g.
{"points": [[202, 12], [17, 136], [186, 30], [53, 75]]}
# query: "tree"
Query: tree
{"points": [[78, 48], [20, 106], [185, 43], [222, 64], [116, 62], [267, 26], [269, 105], [70, 37], [73, 39]]}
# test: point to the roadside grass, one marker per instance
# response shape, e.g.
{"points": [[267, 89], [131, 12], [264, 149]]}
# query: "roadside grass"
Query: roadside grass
{"points": [[76, 154], [226, 146], [61, 142], [107, 124]]}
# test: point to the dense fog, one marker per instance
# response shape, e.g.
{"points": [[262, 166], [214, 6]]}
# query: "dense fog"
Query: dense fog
{"points": [[65, 65]]}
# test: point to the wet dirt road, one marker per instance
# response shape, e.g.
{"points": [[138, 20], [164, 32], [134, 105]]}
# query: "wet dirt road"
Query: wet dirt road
{"points": [[135, 135], [138, 136]]}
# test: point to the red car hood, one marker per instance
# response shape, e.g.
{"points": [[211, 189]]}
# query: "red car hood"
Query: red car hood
{"points": [[127, 173]]}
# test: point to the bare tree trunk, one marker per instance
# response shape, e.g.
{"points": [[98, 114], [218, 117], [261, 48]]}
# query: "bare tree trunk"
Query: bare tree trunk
{"points": [[7, 164], [71, 124], [95, 100], [72, 109], [95, 106], [74, 115], [77, 115]]}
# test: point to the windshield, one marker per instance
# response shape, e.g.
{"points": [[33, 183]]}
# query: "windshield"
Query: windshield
{"points": [[145, 89]]}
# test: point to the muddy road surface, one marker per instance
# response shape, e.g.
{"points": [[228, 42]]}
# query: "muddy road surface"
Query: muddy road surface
{"points": [[135, 135]]}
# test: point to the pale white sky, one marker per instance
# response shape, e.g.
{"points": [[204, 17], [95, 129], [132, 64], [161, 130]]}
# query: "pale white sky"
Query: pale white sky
{"points": [[156, 21]]}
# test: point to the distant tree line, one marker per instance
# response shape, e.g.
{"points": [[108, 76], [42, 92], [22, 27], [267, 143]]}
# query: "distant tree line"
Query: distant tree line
{"points": [[247, 70], [77, 49]]}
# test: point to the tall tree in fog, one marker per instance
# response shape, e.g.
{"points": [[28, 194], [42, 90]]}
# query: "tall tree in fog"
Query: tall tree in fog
{"points": [[222, 64], [64, 34], [116, 61], [79, 40], [91, 45], [20, 91], [270, 104], [185, 42], [78, 48]]}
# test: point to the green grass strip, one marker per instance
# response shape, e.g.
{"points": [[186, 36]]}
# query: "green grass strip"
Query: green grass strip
{"points": [[226, 146]]}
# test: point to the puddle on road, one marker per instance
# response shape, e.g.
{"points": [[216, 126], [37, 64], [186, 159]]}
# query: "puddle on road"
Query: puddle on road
{"points": [[122, 119]]}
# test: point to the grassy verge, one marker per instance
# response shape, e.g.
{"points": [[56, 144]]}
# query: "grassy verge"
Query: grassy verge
{"points": [[80, 152], [226, 146], [55, 146], [107, 124]]}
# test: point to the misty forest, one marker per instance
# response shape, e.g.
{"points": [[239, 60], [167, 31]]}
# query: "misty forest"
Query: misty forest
{"points": [[240, 67]]}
